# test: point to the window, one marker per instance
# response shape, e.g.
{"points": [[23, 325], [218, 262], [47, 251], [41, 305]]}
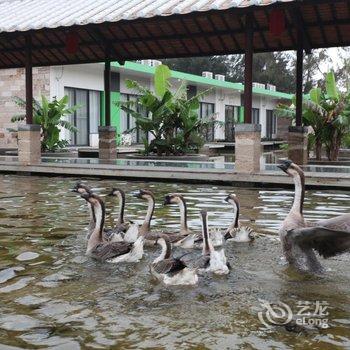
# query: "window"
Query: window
{"points": [[206, 111], [271, 124], [127, 122], [231, 118], [86, 118], [255, 116]]}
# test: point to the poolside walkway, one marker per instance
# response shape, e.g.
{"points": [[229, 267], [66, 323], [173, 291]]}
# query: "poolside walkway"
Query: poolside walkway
{"points": [[205, 172]]}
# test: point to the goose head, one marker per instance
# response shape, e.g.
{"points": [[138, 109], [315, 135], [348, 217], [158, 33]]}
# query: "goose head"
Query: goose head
{"points": [[81, 188], [117, 192], [174, 198], [290, 168], [144, 194], [233, 200], [91, 198]]}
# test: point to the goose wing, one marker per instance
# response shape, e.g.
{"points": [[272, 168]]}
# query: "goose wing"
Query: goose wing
{"points": [[169, 266], [339, 223], [107, 251], [326, 241], [203, 262]]}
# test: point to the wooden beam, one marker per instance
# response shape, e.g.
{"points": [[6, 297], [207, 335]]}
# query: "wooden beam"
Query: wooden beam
{"points": [[29, 81], [248, 69], [300, 27], [299, 80], [107, 88]]}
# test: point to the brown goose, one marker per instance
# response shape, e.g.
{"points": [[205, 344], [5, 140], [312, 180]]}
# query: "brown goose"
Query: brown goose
{"points": [[236, 232], [299, 239], [216, 235], [113, 252], [81, 189], [150, 235], [170, 270], [109, 235], [122, 224]]}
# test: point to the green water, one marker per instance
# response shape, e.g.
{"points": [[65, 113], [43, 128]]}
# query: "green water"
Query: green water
{"points": [[53, 297]]}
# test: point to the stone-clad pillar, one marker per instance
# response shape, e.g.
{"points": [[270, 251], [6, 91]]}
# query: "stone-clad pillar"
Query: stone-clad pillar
{"points": [[247, 148], [297, 145], [107, 143], [29, 144]]}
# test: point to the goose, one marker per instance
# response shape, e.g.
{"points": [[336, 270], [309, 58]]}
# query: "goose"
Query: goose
{"points": [[129, 228], [170, 270], [80, 189], [300, 239], [113, 252], [212, 260], [109, 234], [150, 235], [216, 235], [236, 232]]}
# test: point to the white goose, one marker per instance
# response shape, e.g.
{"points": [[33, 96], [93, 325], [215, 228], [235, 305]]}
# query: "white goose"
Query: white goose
{"points": [[212, 260], [169, 270], [236, 232], [299, 239], [113, 252]]}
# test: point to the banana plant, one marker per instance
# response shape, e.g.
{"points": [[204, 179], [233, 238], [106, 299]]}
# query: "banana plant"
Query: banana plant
{"points": [[170, 117], [328, 113], [49, 115]]}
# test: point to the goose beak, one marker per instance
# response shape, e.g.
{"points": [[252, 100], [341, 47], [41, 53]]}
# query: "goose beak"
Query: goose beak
{"points": [[166, 200], [137, 194], [227, 199], [110, 194], [283, 167]]}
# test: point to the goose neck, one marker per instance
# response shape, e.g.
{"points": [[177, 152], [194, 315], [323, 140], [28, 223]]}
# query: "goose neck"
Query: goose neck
{"points": [[146, 226], [299, 192], [96, 236]]}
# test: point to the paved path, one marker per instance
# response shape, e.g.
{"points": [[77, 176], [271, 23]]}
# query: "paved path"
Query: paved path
{"points": [[172, 173]]}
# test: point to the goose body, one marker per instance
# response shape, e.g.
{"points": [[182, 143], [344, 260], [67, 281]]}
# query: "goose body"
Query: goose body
{"points": [[212, 260], [179, 240], [301, 239], [170, 270], [196, 237], [236, 232], [113, 252]]}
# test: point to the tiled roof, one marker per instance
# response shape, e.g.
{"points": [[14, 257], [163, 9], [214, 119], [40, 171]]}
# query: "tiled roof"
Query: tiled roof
{"points": [[23, 15]]}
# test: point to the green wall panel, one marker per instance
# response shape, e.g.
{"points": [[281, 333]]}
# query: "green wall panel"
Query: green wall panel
{"points": [[115, 111]]}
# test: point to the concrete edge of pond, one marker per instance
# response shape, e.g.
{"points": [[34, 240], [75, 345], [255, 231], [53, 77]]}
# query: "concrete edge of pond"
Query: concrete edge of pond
{"points": [[212, 176]]}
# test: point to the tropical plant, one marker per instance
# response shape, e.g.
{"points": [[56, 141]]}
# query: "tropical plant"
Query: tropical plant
{"points": [[49, 115], [327, 111], [171, 118]]}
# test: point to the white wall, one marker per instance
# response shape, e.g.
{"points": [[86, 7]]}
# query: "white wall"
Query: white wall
{"points": [[85, 76]]}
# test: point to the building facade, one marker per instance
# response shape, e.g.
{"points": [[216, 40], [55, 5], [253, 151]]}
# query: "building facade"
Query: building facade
{"points": [[84, 86]]}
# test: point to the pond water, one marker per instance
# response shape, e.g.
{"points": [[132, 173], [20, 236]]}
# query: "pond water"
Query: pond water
{"points": [[53, 296]]}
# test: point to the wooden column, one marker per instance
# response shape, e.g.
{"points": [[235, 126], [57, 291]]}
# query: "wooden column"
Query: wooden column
{"points": [[29, 81], [107, 88], [248, 70], [299, 80]]}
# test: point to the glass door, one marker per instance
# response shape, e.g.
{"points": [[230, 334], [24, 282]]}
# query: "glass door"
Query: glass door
{"points": [[82, 118], [231, 119]]}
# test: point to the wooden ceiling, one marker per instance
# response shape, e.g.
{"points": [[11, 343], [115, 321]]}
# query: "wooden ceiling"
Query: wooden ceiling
{"points": [[324, 23]]}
